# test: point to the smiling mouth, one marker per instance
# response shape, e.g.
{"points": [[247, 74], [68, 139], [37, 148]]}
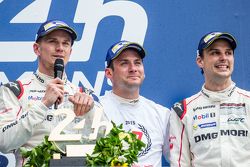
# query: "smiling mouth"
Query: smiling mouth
{"points": [[222, 67], [133, 77]]}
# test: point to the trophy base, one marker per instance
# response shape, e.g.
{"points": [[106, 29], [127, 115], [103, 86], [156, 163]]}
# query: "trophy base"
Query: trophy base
{"points": [[68, 162]]}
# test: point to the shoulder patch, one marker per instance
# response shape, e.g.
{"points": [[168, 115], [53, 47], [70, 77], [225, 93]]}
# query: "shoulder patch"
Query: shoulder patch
{"points": [[16, 87], [180, 108]]}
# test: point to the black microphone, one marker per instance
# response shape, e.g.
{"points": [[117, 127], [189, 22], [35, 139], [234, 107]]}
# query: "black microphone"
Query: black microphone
{"points": [[58, 72]]}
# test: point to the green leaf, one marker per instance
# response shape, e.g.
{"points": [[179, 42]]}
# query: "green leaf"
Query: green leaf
{"points": [[40, 155], [109, 148]]}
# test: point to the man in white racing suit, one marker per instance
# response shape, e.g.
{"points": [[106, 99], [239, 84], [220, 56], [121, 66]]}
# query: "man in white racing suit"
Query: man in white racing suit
{"points": [[26, 106], [211, 127], [124, 105]]}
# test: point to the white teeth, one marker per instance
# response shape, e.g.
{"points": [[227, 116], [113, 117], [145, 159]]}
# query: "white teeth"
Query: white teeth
{"points": [[222, 66]]}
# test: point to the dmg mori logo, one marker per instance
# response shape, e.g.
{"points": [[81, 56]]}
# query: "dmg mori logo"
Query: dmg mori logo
{"points": [[89, 13]]}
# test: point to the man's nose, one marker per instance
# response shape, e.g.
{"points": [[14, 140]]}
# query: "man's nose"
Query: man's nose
{"points": [[223, 56], [59, 47], [132, 67]]}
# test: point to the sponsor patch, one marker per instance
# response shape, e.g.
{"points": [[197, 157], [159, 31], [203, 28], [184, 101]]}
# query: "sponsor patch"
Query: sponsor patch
{"points": [[214, 135], [203, 107], [207, 125], [237, 120], [204, 116], [16, 87]]}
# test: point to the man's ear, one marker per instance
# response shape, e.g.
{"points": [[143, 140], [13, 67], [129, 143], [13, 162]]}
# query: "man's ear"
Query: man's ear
{"points": [[36, 49], [199, 61], [108, 73]]}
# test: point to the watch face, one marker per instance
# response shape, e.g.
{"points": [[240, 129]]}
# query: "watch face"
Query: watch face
{"points": [[78, 131]]}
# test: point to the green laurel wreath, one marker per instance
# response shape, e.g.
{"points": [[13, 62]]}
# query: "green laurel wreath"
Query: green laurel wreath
{"points": [[118, 148]]}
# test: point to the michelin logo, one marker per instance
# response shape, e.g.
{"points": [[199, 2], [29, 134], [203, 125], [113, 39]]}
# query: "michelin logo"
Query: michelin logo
{"points": [[89, 13], [207, 125]]}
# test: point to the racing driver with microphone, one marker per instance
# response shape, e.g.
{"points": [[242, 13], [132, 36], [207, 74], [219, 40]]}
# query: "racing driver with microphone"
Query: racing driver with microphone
{"points": [[26, 106]]}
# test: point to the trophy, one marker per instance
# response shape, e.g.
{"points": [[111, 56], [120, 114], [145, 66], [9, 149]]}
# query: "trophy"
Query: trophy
{"points": [[76, 136]]}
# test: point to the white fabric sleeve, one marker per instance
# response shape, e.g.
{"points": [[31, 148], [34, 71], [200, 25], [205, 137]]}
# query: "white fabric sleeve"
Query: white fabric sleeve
{"points": [[165, 148], [179, 144], [17, 122]]}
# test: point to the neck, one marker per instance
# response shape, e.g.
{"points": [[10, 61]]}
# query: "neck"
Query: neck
{"points": [[46, 71], [131, 94], [217, 86]]}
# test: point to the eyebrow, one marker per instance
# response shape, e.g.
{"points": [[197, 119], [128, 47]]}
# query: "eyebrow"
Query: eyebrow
{"points": [[54, 38], [125, 59], [215, 49]]}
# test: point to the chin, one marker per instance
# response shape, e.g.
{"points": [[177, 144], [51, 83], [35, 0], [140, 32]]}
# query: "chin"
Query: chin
{"points": [[137, 84], [225, 75]]}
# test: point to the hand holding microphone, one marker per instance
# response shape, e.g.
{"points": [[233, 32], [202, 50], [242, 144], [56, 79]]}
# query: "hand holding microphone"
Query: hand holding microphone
{"points": [[58, 73], [55, 88]]}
